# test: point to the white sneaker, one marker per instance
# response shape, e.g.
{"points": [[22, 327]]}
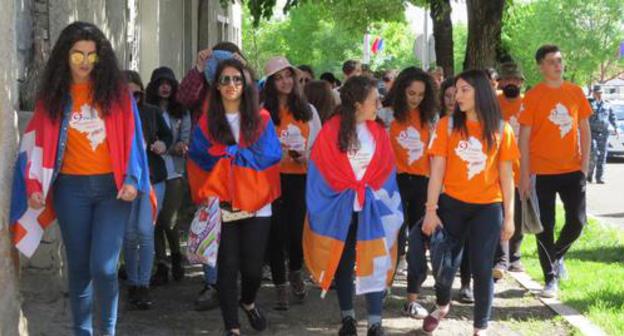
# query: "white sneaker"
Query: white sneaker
{"points": [[550, 290], [414, 310]]}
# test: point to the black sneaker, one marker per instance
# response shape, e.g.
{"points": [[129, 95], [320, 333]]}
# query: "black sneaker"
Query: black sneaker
{"points": [[132, 295], [207, 299], [349, 327], [144, 300], [256, 318], [161, 277], [375, 330]]}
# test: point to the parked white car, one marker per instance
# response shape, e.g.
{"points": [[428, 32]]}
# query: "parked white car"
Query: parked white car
{"points": [[615, 143]]}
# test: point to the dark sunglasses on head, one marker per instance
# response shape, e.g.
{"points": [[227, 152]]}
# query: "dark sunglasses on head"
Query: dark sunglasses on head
{"points": [[227, 80]]}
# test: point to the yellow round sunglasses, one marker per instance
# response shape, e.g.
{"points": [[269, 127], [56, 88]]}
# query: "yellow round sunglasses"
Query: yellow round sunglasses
{"points": [[78, 58]]}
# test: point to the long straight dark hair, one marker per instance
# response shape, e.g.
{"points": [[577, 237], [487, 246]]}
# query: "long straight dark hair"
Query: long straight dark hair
{"points": [[355, 90], [486, 106], [297, 103], [218, 126], [427, 107]]}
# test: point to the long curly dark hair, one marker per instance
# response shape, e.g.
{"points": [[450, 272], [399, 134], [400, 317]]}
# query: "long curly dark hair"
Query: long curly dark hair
{"points": [[106, 77], [486, 106], [175, 108], [297, 103], [428, 105], [218, 126], [355, 90]]}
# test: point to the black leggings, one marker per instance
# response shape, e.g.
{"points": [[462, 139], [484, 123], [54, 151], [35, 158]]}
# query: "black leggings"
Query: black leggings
{"points": [[413, 190], [481, 224], [166, 225], [241, 250], [571, 190], [287, 227]]}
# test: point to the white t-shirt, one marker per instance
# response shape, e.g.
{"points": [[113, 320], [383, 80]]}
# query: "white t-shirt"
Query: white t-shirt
{"points": [[234, 121], [361, 158]]}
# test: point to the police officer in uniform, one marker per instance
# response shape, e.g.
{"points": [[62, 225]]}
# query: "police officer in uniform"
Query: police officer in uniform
{"points": [[599, 123]]}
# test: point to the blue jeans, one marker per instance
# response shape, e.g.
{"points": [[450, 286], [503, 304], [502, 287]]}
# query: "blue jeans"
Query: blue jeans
{"points": [[92, 222], [139, 244], [210, 275], [344, 277]]}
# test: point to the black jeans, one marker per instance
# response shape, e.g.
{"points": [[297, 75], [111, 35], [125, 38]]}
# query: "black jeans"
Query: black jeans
{"points": [[481, 224], [287, 227], [166, 225], [508, 252], [571, 190], [241, 250], [413, 190]]}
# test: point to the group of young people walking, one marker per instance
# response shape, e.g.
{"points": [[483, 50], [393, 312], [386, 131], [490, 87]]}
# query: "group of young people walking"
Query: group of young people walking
{"points": [[336, 181]]}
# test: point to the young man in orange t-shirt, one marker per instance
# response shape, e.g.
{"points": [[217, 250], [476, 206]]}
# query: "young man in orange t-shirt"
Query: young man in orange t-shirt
{"points": [[555, 146]]}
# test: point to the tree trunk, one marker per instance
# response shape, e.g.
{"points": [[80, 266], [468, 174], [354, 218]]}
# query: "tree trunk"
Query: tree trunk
{"points": [[40, 53], [484, 32], [443, 35], [11, 319]]}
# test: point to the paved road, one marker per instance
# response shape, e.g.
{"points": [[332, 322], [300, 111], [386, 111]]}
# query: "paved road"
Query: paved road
{"points": [[606, 201]]}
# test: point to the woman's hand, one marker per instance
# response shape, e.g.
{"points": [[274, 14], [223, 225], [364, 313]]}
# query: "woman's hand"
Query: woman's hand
{"points": [[508, 229], [127, 193], [36, 201], [158, 147], [180, 148], [431, 223]]}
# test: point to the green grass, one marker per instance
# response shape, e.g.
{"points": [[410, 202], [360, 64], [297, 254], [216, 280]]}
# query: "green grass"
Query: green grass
{"points": [[595, 265]]}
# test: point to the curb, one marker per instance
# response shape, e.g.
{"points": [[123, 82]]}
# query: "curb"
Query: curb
{"points": [[571, 315]]}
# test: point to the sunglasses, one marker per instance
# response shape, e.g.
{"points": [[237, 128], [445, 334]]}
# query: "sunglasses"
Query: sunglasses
{"points": [[386, 79], [227, 80], [304, 80], [78, 58]]}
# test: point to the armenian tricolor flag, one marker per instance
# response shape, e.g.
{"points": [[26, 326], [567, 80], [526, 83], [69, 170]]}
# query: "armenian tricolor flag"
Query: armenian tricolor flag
{"points": [[330, 194]]}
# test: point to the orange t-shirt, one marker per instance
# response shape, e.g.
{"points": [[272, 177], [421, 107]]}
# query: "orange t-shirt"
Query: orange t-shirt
{"points": [[472, 174], [293, 135], [86, 151], [553, 115], [409, 140], [511, 112]]}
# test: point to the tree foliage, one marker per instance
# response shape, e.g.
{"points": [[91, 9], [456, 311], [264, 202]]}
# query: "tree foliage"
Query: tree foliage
{"points": [[588, 32], [323, 36]]}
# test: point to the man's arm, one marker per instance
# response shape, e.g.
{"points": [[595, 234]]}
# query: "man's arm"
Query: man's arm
{"points": [[585, 143]]}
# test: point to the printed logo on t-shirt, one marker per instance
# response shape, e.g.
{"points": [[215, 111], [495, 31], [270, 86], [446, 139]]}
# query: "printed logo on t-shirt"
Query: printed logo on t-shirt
{"points": [[515, 125], [87, 121], [292, 138], [410, 140], [561, 118], [471, 152]]}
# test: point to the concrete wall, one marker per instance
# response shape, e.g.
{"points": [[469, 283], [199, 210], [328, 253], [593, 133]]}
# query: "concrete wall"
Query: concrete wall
{"points": [[11, 319]]}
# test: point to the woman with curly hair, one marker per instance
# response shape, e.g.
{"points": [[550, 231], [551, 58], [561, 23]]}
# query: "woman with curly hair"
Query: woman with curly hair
{"points": [[414, 114], [92, 165]]}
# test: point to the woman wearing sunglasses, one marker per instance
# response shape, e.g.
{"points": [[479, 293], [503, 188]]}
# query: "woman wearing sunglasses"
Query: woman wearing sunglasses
{"points": [[234, 155], [92, 166], [297, 124]]}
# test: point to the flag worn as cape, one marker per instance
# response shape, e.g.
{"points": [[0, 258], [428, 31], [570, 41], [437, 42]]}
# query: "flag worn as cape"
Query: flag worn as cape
{"points": [[244, 175], [330, 194], [35, 167]]}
